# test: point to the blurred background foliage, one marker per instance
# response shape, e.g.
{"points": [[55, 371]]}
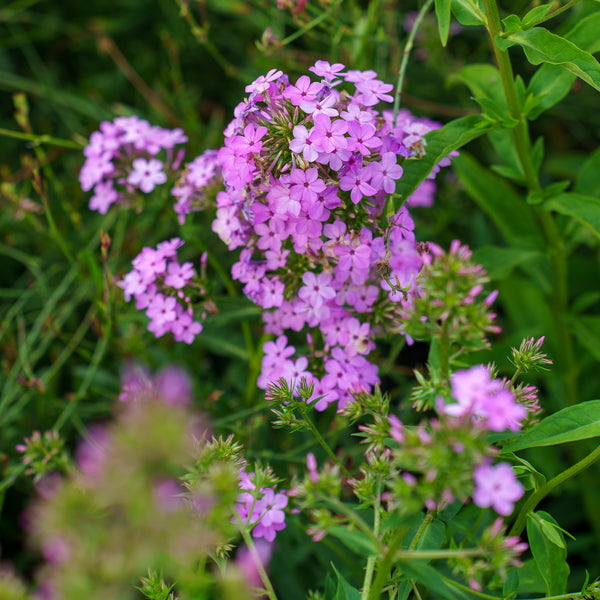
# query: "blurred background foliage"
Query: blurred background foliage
{"points": [[65, 331]]}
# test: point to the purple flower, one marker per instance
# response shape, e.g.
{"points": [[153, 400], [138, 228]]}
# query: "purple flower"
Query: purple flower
{"points": [[303, 143], [496, 486], [305, 185], [146, 174], [357, 183], [385, 173], [304, 93], [328, 135], [327, 71], [316, 289], [484, 399]]}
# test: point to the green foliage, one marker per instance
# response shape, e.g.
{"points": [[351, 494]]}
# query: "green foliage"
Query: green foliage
{"points": [[541, 46], [526, 201], [549, 551], [570, 424]]}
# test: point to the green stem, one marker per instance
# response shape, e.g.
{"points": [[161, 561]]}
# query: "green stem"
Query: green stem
{"points": [[312, 24], [268, 587], [351, 515], [385, 565], [444, 354], [560, 296], [323, 443], [41, 139], [391, 554], [540, 494], [437, 554], [515, 376], [373, 558], [406, 54]]}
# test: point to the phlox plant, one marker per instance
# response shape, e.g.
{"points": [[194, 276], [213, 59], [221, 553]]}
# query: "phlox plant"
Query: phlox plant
{"points": [[315, 194]]}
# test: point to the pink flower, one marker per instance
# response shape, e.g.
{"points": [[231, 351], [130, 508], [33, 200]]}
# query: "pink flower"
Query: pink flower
{"points": [[146, 174], [496, 486]]}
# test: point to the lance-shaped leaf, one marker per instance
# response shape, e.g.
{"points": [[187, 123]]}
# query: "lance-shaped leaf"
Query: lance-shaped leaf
{"points": [[439, 144], [570, 424], [551, 83], [550, 558], [585, 209], [442, 12], [542, 46]]}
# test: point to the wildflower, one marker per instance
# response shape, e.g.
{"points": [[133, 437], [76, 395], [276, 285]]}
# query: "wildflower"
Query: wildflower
{"points": [[496, 486], [484, 399]]}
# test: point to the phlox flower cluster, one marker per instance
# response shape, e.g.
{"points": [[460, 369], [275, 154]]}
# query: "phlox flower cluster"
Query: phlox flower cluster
{"points": [[190, 191], [262, 509], [447, 299], [121, 160], [162, 286], [308, 169], [484, 400]]}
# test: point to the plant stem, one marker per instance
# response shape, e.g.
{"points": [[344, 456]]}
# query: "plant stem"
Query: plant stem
{"points": [[323, 443], [268, 587], [560, 296], [41, 139], [372, 559], [540, 494], [406, 54], [384, 566], [444, 354]]}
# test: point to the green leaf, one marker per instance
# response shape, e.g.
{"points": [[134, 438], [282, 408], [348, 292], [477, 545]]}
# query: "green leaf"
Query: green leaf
{"points": [[527, 473], [588, 178], [344, 590], [442, 11], [429, 577], [551, 191], [486, 86], [584, 209], [499, 200], [571, 424], [512, 23], [550, 558], [499, 262], [439, 144], [223, 345], [551, 83], [482, 79], [357, 541], [530, 579], [494, 111], [432, 538], [541, 46], [535, 14], [511, 585], [468, 12]]}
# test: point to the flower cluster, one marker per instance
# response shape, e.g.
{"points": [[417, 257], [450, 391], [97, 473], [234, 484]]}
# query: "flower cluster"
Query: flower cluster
{"points": [[121, 161], [484, 400], [44, 454], [191, 191], [308, 170], [125, 505], [164, 288], [445, 303], [260, 508]]}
